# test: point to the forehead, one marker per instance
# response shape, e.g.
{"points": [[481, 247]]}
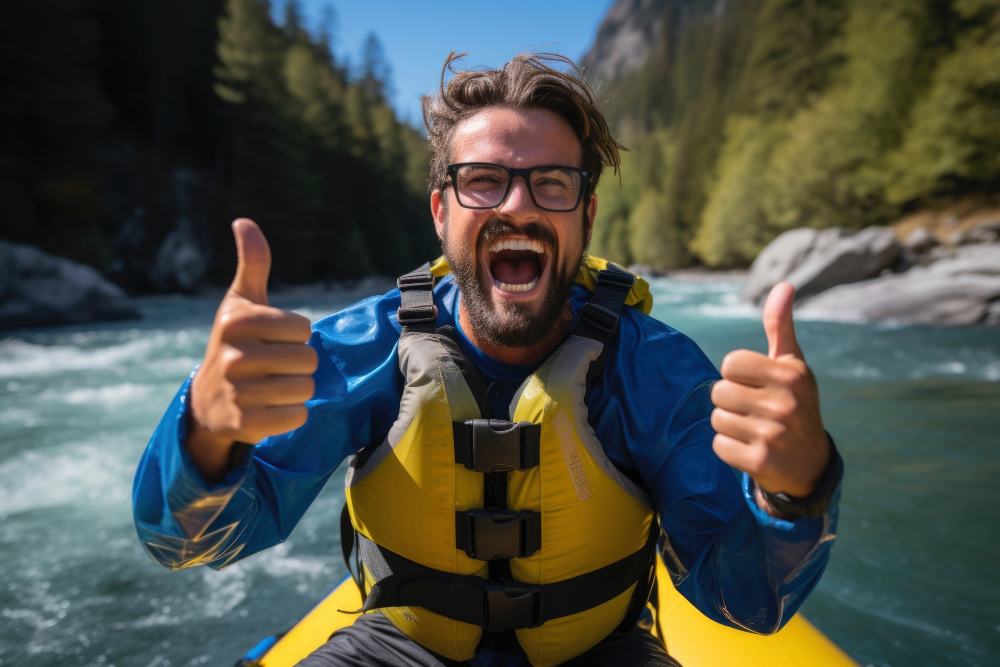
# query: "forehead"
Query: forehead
{"points": [[516, 138]]}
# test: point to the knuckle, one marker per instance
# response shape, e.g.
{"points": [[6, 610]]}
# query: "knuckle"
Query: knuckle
{"points": [[309, 387], [757, 461], [784, 407], [232, 358], [232, 318], [299, 416], [312, 359], [731, 362]]}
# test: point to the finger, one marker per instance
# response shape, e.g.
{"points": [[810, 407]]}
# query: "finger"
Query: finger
{"points": [[740, 455], [267, 324], [735, 397], [275, 390], [778, 324], [262, 359], [259, 424], [253, 261], [747, 367], [745, 428]]}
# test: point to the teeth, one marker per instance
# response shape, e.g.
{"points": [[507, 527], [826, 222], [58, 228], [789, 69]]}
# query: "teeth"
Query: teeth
{"points": [[513, 289], [517, 244]]}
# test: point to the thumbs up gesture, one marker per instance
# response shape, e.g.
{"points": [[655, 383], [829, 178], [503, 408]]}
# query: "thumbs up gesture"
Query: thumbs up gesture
{"points": [[257, 371], [767, 417]]}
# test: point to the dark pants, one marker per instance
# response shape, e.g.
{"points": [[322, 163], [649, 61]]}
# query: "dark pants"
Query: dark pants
{"points": [[373, 641]]}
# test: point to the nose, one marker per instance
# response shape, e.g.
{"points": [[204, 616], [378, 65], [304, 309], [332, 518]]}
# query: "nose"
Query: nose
{"points": [[518, 204]]}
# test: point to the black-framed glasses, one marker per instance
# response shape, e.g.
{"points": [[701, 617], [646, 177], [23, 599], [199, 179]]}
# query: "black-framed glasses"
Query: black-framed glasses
{"points": [[553, 188]]}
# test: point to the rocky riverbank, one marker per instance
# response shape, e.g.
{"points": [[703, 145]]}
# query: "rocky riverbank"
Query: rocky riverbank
{"points": [[870, 275], [38, 289]]}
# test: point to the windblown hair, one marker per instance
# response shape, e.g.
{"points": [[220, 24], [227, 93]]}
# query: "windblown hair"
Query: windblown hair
{"points": [[526, 82]]}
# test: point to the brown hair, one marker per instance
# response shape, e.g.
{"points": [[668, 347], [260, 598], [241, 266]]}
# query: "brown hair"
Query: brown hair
{"points": [[526, 82]]}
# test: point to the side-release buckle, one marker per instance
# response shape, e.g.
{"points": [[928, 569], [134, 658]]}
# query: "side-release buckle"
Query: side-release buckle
{"points": [[494, 533], [497, 445], [416, 304], [599, 317], [512, 604]]}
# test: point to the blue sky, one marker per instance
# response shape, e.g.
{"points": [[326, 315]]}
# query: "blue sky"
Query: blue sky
{"points": [[417, 36]]}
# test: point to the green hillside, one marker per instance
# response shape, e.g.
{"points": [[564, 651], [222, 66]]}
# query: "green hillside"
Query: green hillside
{"points": [[133, 132], [757, 116]]}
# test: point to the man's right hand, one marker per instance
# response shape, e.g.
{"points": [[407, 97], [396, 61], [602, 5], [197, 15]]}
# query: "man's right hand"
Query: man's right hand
{"points": [[257, 372]]}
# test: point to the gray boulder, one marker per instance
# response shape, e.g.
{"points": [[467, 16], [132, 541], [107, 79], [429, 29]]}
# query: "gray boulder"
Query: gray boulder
{"points": [[961, 289], [920, 240], [817, 260], [37, 289], [851, 259]]}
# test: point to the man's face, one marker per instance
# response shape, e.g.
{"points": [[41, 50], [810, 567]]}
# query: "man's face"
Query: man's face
{"points": [[514, 264]]}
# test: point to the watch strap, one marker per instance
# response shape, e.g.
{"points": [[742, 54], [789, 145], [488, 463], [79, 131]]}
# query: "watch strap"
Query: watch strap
{"points": [[815, 503]]}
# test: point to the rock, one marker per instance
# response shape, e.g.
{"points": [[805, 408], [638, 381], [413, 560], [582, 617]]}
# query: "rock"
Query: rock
{"points": [[629, 32], [858, 257], [814, 261], [920, 240], [960, 290], [781, 256], [981, 234], [37, 289]]}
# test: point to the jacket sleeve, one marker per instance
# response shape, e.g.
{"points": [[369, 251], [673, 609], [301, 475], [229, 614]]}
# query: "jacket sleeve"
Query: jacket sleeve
{"points": [[182, 521], [737, 564], [733, 561]]}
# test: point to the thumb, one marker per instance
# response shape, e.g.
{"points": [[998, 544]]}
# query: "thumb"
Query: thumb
{"points": [[253, 261], [778, 323]]}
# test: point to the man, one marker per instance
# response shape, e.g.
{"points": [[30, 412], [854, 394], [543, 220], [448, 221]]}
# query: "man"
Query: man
{"points": [[528, 539]]}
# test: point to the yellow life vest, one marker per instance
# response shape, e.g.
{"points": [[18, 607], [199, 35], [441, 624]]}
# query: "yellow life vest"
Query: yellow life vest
{"points": [[471, 528]]}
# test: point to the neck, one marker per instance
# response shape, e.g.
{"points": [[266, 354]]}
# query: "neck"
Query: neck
{"points": [[519, 356]]}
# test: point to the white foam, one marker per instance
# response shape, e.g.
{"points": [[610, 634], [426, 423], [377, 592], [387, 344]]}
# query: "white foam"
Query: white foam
{"points": [[45, 478], [108, 396]]}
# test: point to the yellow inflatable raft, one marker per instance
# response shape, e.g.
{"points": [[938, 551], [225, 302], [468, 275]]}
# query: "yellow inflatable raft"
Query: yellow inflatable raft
{"points": [[690, 637]]}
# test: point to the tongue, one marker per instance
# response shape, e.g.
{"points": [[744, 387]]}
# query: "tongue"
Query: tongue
{"points": [[515, 273]]}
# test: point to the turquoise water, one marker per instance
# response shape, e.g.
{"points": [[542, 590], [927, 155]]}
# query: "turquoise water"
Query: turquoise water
{"points": [[913, 581]]}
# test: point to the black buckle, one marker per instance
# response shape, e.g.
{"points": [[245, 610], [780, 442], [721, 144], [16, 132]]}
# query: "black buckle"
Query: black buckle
{"points": [[497, 445], [599, 317], [412, 281], [495, 533], [512, 604], [416, 315], [616, 279]]}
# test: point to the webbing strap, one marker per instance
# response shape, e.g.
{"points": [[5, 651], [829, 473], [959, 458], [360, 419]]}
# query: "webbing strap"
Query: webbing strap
{"points": [[599, 317], [491, 604], [417, 311]]}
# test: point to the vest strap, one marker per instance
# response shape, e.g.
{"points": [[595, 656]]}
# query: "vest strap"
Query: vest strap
{"points": [[417, 311], [599, 317], [492, 604], [495, 533], [495, 445]]}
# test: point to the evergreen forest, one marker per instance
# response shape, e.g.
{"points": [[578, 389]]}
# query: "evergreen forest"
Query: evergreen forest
{"points": [[756, 116], [133, 132]]}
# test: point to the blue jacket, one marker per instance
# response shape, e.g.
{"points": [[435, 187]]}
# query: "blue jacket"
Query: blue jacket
{"points": [[651, 412]]}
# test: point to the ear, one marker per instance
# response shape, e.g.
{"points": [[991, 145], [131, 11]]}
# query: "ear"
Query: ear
{"points": [[589, 214], [439, 212]]}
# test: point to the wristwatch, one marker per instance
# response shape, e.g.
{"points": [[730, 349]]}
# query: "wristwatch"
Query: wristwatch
{"points": [[816, 502]]}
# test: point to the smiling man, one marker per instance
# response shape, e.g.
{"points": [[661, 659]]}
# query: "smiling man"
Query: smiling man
{"points": [[524, 439]]}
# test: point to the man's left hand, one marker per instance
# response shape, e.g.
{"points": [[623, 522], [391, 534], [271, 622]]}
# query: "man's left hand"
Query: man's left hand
{"points": [[767, 417]]}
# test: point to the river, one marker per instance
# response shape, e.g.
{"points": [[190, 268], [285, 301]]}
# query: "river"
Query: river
{"points": [[914, 578]]}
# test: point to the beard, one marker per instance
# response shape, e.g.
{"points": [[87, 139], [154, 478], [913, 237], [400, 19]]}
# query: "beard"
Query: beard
{"points": [[505, 323]]}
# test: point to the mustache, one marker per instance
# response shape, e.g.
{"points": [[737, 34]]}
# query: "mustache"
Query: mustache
{"points": [[497, 228]]}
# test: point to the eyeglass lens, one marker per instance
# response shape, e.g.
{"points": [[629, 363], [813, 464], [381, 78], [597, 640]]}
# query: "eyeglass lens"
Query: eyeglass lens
{"points": [[483, 186]]}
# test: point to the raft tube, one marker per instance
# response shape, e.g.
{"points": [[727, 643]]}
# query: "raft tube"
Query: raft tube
{"points": [[690, 637]]}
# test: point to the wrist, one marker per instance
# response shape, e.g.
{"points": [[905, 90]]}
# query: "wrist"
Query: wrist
{"points": [[782, 505]]}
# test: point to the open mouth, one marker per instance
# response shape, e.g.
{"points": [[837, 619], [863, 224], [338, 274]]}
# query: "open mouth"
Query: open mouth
{"points": [[517, 264]]}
